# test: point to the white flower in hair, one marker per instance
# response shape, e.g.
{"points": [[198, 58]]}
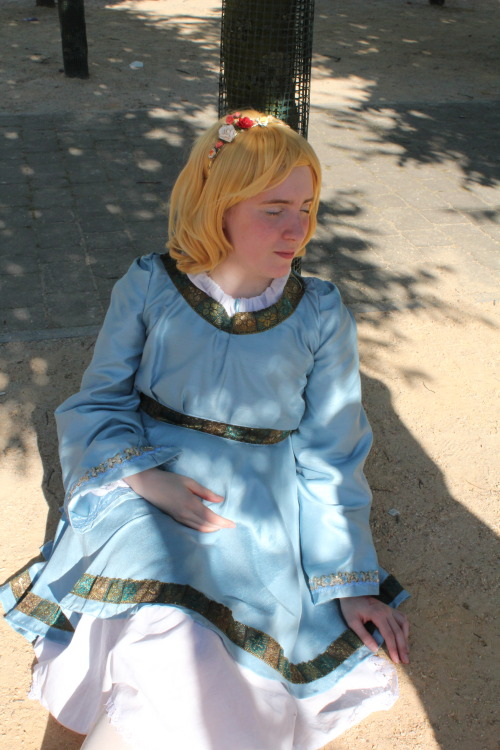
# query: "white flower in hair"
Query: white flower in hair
{"points": [[227, 133]]}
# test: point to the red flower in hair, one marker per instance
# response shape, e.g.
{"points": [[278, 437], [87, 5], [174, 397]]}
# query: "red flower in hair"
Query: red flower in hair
{"points": [[219, 144], [245, 123], [230, 119]]}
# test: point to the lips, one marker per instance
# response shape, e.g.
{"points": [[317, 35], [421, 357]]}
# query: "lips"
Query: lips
{"points": [[287, 256]]}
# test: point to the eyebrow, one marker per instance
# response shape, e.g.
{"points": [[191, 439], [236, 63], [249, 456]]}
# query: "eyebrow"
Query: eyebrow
{"points": [[284, 202]]}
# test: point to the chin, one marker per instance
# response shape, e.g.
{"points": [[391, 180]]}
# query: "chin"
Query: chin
{"points": [[283, 272]]}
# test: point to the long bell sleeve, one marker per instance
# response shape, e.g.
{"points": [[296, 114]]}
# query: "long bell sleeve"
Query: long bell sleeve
{"points": [[330, 447], [100, 429]]}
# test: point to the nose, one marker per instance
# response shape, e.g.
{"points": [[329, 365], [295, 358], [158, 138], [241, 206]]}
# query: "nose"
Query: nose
{"points": [[296, 226]]}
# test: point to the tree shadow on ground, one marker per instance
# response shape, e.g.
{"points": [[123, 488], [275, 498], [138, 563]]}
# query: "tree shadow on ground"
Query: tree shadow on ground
{"points": [[419, 66]]}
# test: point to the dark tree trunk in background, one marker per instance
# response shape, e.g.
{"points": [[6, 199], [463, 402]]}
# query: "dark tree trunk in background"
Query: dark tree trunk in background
{"points": [[266, 48], [46, 3], [74, 38]]}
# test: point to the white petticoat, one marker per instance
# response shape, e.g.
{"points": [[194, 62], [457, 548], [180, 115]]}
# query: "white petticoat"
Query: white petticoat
{"points": [[167, 682]]}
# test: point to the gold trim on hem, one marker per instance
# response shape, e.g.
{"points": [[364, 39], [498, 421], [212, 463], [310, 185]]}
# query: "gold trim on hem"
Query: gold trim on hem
{"points": [[254, 641], [35, 606]]}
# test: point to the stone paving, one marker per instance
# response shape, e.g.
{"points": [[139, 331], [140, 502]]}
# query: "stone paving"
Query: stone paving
{"points": [[410, 210]]}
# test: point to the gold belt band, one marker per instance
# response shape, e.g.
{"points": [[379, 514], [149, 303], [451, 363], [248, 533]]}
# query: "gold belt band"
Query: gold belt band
{"points": [[253, 435]]}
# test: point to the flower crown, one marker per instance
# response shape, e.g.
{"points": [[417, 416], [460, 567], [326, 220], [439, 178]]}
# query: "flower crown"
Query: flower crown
{"points": [[234, 125]]}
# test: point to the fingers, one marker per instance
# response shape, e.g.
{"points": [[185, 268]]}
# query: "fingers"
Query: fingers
{"points": [[392, 625], [202, 518], [203, 492], [196, 515], [208, 518], [394, 629], [364, 635]]}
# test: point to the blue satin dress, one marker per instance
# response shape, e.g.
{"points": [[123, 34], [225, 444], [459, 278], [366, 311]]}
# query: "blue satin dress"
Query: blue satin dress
{"points": [[284, 384]]}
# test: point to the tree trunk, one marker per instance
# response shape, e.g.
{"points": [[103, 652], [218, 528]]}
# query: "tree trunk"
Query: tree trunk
{"points": [[266, 57], [46, 3], [74, 38]]}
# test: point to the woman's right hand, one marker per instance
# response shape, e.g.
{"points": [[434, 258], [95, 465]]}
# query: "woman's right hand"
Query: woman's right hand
{"points": [[180, 497]]}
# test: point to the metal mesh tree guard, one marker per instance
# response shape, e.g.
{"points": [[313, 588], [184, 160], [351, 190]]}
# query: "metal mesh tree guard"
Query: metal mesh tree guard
{"points": [[265, 60], [266, 49]]}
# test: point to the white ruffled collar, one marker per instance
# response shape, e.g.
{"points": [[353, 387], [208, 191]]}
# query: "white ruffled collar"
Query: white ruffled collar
{"points": [[233, 305]]}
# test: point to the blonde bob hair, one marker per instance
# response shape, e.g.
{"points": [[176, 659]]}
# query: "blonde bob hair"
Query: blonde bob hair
{"points": [[257, 159]]}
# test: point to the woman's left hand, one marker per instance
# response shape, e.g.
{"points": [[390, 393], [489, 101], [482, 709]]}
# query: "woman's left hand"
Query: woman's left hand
{"points": [[393, 625]]}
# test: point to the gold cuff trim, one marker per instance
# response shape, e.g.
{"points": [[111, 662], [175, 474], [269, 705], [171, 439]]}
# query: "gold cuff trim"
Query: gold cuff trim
{"points": [[240, 323], [252, 435], [343, 579], [108, 464]]}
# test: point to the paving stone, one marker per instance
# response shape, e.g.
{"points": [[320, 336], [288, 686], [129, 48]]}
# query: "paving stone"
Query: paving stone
{"points": [[22, 217], [68, 309], [104, 223], [145, 245], [385, 200], [53, 180], [92, 179], [74, 275], [139, 230], [20, 290], [14, 194], [406, 218], [57, 234], [50, 197], [13, 173], [20, 319], [445, 215], [61, 254], [95, 241], [15, 241], [53, 215], [471, 238], [398, 213], [427, 238]]}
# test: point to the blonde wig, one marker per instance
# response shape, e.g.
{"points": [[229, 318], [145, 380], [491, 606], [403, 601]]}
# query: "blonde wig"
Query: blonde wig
{"points": [[257, 159]]}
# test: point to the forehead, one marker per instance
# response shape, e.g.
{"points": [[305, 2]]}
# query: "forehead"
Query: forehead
{"points": [[297, 187]]}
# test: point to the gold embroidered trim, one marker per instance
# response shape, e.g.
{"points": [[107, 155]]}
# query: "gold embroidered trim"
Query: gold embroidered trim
{"points": [[47, 612], [240, 323], [34, 606], [342, 579], [256, 642], [108, 464], [20, 584], [254, 435]]}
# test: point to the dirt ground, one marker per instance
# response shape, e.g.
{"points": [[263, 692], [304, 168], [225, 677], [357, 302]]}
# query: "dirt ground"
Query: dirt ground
{"points": [[430, 374]]}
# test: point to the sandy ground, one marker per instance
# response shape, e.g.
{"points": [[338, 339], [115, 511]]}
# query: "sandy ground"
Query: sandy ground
{"points": [[430, 375]]}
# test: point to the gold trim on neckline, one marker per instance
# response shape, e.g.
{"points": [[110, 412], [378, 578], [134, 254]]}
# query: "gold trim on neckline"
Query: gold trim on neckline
{"points": [[243, 322]]}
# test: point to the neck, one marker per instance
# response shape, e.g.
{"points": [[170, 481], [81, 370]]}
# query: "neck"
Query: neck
{"points": [[237, 284]]}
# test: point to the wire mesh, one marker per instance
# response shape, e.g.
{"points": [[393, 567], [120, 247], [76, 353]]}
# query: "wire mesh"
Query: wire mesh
{"points": [[265, 60], [266, 49]]}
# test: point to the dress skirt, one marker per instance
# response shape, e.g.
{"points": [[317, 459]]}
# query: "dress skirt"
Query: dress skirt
{"points": [[167, 682]]}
